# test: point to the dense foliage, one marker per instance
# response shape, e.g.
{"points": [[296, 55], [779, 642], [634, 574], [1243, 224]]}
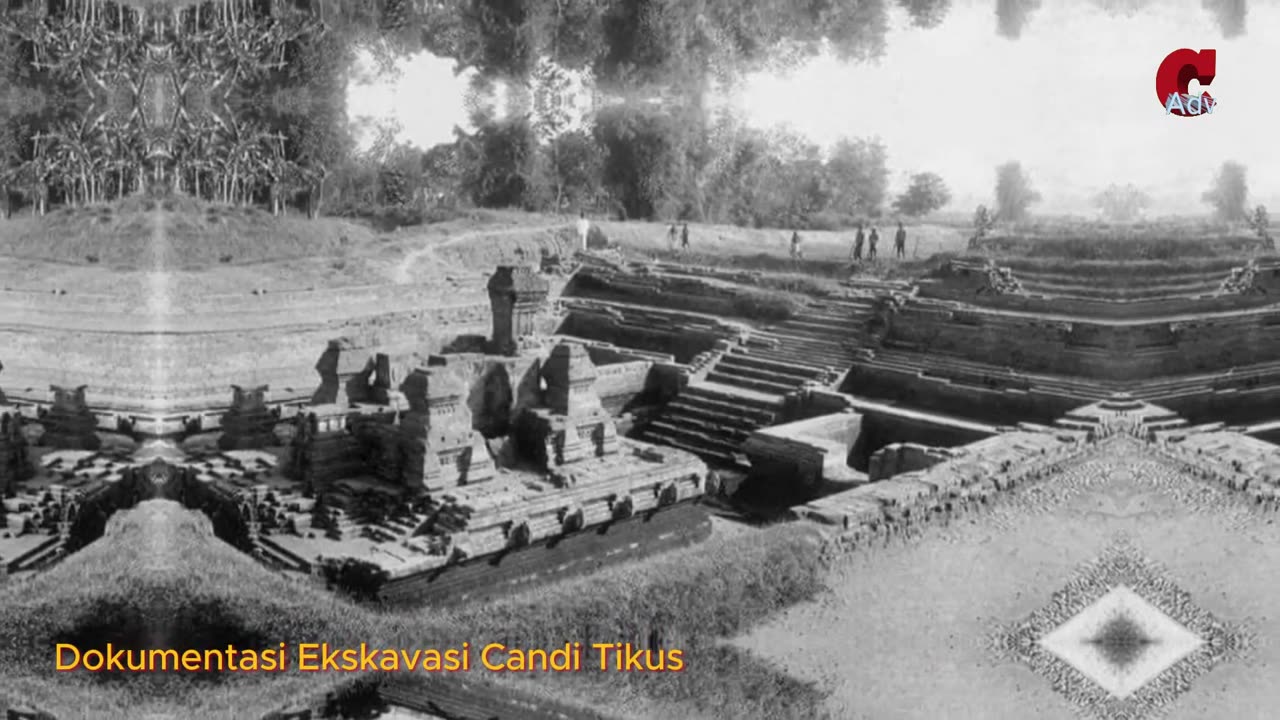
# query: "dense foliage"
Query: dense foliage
{"points": [[1122, 203], [264, 121], [1229, 193], [1014, 192]]}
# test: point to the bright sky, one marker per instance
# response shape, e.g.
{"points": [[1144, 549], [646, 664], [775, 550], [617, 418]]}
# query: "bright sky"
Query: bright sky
{"points": [[1073, 99], [427, 100]]}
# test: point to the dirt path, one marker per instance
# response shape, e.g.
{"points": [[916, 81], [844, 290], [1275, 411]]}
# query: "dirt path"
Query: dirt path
{"points": [[402, 274]]}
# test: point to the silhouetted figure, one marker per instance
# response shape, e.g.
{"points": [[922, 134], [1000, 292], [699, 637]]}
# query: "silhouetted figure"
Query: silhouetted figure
{"points": [[584, 228], [671, 237], [858, 240], [900, 242], [795, 245], [684, 236], [872, 240]]}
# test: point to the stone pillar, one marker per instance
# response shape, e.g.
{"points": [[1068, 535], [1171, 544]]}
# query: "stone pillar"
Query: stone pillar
{"points": [[570, 376], [517, 295]]}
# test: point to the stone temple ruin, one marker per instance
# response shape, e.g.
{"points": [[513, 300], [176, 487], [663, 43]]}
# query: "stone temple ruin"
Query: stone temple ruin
{"points": [[551, 462], [644, 392]]}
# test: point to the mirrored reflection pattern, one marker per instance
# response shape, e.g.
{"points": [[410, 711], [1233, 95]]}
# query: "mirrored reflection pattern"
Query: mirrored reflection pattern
{"points": [[587, 359]]}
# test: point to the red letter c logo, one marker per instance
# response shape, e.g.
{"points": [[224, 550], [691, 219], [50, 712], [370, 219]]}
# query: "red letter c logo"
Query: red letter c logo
{"points": [[1177, 71]]}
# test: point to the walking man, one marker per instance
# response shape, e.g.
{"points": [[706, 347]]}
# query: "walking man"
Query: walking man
{"points": [[900, 242], [584, 228], [795, 245], [671, 238], [857, 244], [684, 236], [872, 240]]}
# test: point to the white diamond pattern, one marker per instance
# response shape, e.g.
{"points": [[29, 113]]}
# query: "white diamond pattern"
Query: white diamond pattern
{"points": [[1169, 642]]}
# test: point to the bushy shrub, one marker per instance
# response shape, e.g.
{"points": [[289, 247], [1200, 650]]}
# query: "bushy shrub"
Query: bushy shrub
{"points": [[596, 239], [357, 578], [389, 217]]}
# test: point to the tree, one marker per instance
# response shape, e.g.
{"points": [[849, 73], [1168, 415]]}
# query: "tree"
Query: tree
{"points": [[641, 158], [926, 193], [497, 162], [1229, 192], [442, 171], [859, 175], [572, 31], [1012, 16], [497, 37], [1122, 203], [926, 13], [1230, 15], [1014, 194], [1260, 221], [983, 221], [573, 166]]}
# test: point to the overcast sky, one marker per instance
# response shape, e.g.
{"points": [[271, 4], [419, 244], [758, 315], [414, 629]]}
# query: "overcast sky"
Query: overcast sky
{"points": [[1073, 99]]}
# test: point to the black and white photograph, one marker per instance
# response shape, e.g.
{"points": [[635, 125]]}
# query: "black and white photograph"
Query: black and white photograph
{"points": [[639, 360]]}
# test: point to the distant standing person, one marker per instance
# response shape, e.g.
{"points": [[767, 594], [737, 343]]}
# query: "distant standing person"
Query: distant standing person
{"points": [[795, 245], [900, 242], [684, 236], [671, 237], [584, 228], [858, 240], [872, 240]]}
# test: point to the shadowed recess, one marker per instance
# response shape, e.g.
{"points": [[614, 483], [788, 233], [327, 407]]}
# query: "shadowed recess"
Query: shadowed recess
{"points": [[1121, 641]]}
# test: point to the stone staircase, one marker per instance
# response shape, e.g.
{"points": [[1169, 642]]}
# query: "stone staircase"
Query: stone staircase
{"points": [[396, 530], [745, 388], [344, 526], [826, 334], [712, 420], [42, 555]]}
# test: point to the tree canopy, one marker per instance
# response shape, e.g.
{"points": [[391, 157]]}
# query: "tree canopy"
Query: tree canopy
{"points": [[1014, 192], [926, 193], [260, 113], [1229, 193], [1122, 203]]}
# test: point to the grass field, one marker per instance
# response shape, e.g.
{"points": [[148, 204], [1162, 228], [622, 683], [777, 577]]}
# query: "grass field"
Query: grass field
{"points": [[218, 249], [141, 573], [727, 241], [173, 233]]}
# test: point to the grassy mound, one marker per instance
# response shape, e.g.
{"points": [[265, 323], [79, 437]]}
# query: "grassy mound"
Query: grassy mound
{"points": [[691, 599], [141, 577], [160, 572]]}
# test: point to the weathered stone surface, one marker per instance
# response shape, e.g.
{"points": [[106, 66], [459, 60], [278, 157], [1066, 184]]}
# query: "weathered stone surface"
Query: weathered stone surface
{"points": [[439, 446], [69, 424], [570, 424], [518, 295], [805, 453], [249, 423], [904, 457]]}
